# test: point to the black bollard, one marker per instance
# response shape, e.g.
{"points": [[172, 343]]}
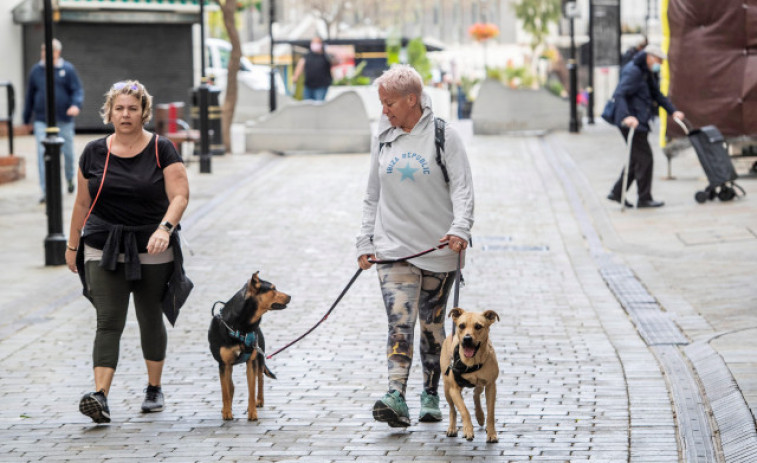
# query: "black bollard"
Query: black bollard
{"points": [[55, 241], [272, 90], [202, 102], [573, 78]]}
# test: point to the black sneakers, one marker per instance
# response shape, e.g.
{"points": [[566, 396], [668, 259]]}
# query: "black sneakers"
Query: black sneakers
{"points": [[153, 399], [95, 406]]}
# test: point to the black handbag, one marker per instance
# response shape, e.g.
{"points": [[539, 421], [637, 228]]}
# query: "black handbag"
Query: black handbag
{"points": [[608, 113]]}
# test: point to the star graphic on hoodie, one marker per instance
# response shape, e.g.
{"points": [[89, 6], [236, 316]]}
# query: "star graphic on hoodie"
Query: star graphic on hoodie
{"points": [[407, 172]]}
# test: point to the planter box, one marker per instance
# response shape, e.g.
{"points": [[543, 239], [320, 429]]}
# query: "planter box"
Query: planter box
{"points": [[499, 109], [12, 168]]}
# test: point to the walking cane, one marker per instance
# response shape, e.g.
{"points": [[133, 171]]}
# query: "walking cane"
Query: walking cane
{"points": [[629, 142]]}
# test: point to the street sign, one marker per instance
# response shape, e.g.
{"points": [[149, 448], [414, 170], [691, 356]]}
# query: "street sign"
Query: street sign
{"points": [[571, 10]]}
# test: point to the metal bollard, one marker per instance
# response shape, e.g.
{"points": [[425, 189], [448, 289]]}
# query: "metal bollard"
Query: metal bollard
{"points": [[204, 126], [55, 241]]}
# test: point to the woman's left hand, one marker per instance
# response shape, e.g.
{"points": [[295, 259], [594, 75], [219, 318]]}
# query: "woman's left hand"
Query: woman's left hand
{"points": [[454, 242], [158, 241]]}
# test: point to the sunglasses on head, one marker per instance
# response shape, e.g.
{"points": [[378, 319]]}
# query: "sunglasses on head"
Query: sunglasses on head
{"points": [[120, 85]]}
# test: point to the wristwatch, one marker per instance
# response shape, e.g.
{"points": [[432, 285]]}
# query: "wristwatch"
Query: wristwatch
{"points": [[167, 226]]}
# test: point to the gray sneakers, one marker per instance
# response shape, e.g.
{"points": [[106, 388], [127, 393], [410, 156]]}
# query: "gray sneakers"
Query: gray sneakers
{"points": [[95, 406], [153, 399]]}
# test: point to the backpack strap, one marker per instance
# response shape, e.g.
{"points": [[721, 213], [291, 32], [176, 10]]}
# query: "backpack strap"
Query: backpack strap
{"points": [[439, 125]]}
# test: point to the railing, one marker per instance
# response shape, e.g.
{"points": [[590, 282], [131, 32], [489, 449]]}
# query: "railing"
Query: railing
{"points": [[11, 104]]}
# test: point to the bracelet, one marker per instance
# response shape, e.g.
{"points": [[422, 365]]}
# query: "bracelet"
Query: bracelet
{"points": [[71, 248], [165, 229]]}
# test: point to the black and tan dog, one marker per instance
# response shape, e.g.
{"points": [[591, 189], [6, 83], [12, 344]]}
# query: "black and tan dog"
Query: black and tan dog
{"points": [[468, 360], [235, 337]]}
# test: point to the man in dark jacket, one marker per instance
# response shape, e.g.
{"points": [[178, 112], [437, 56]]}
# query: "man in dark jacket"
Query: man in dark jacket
{"points": [[69, 97], [635, 99]]}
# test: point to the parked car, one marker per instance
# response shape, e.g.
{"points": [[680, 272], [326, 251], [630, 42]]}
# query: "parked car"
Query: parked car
{"points": [[254, 76]]}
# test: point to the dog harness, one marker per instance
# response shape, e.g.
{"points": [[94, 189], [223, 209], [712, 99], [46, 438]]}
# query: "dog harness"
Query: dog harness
{"points": [[249, 340], [459, 369]]}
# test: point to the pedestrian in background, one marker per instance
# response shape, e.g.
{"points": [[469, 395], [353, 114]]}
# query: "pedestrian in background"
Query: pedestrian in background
{"points": [[69, 97], [124, 243], [635, 99], [409, 206], [317, 68]]}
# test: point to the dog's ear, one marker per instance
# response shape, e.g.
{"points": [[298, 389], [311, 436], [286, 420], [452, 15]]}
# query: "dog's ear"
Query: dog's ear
{"points": [[456, 313], [254, 285], [491, 316]]}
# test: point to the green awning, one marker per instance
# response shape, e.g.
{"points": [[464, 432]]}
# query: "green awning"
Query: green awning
{"points": [[142, 5], [30, 11]]}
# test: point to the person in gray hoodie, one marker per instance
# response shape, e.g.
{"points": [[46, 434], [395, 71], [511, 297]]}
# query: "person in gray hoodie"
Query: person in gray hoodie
{"points": [[410, 206]]}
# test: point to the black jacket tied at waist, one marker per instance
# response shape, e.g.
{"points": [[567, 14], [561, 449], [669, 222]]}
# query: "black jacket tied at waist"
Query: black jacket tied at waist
{"points": [[120, 237], [130, 237]]}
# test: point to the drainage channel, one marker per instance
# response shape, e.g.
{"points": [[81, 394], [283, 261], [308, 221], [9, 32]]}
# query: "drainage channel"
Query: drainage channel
{"points": [[659, 332]]}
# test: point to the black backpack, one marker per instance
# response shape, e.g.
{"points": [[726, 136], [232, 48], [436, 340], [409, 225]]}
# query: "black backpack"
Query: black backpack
{"points": [[439, 125]]}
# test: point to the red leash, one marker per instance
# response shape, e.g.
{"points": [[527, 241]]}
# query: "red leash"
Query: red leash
{"points": [[346, 288]]}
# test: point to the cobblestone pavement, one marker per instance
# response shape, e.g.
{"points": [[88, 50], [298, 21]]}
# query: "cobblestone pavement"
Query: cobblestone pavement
{"points": [[577, 382]]}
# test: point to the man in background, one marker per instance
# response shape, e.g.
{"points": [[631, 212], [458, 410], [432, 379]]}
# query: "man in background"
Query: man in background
{"points": [[317, 68], [69, 96]]}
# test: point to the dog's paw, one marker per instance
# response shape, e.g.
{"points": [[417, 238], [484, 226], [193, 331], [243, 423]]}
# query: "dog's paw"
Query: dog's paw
{"points": [[491, 438], [452, 432], [252, 415], [468, 432], [259, 403], [227, 415]]}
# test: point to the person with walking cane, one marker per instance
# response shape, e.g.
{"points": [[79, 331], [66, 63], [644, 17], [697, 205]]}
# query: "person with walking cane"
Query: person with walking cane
{"points": [[635, 101], [418, 195]]}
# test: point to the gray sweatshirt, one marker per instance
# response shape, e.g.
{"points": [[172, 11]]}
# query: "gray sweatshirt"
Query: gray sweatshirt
{"points": [[408, 207]]}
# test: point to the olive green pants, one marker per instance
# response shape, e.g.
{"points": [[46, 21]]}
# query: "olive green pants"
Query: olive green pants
{"points": [[110, 292]]}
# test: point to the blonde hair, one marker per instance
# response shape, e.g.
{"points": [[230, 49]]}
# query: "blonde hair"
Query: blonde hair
{"points": [[127, 87], [401, 79]]}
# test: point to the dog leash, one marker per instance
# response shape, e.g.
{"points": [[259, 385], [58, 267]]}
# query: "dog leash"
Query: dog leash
{"points": [[352, 280]]}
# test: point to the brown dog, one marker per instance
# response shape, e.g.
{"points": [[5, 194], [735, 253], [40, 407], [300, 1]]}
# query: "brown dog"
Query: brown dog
{"points": [[235, 337], [468, 360]]}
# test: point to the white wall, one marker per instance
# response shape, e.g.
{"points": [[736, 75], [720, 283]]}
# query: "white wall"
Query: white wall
{"points": [[11, 59]]}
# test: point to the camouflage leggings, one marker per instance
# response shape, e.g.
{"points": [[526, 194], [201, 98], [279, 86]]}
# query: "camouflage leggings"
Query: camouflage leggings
{"points": [[411, 293]]}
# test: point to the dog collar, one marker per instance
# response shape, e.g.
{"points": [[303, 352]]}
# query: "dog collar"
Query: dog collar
{"points": [[459, 368]]}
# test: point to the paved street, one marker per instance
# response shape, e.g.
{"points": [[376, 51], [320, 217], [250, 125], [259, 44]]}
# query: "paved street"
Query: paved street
{"points": [[623, 336]]}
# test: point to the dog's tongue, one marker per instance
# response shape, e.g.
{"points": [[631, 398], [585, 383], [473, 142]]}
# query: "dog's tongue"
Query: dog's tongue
{"points": [[469, 352]]}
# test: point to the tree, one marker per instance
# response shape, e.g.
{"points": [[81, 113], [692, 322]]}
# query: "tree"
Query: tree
{"points": [[329, 11], [537, 15], [418, 59], [229, 9]]}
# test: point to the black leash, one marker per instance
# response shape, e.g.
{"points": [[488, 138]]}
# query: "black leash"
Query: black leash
{"points": [[458, 276], [346, 288]]}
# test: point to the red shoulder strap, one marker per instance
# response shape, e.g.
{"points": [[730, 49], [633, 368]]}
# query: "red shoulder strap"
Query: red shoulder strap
{"points": [[105, 169], [157, 159]]}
